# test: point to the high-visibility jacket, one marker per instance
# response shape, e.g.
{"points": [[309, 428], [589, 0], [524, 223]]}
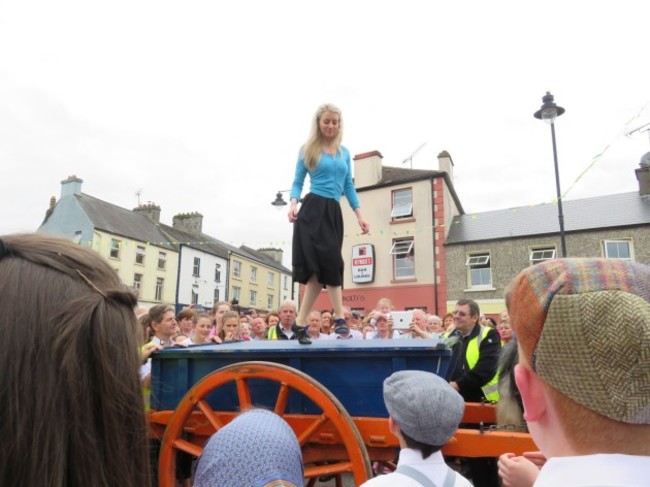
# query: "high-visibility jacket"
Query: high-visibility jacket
{"points": [[491, 389]]}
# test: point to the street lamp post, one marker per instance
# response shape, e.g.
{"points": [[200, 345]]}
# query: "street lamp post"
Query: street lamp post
{"points": [[279, 200], [549, 112]]}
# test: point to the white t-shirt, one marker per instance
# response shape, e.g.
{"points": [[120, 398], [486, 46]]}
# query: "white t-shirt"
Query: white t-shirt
{"points": [[433, 467]]}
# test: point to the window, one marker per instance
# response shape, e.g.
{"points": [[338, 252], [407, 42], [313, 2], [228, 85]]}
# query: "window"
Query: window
{"points": [[403, 258], [77, 237], [217, 272], [402, 204], [252, 298], [269, 301], [160, 283], [196, 267], [236, 292], [542, 254], [195, 297], [236, 269], [286, 282], [139, 254], [253, 274], [137, 282], [618, 249], [479, 272], [115, 248], [162, 260], [216, 295], [270, 277]]}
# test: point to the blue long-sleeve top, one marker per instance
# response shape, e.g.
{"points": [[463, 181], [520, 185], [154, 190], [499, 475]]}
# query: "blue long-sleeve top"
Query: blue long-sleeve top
{"points": [[331, 178]]}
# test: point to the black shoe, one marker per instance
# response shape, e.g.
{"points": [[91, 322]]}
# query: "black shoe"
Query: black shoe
{"points": [[301, 334], [341, 326]]}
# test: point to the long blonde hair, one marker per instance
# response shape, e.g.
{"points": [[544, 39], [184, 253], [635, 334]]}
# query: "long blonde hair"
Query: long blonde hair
{"points": [[311, 151]]}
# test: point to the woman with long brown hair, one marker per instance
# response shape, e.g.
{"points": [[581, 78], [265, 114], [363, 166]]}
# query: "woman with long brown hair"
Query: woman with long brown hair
{"points": [[70, 396]]}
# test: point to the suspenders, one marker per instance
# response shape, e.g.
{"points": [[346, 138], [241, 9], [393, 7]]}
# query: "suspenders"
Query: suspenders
{"points": [[418, 476]]}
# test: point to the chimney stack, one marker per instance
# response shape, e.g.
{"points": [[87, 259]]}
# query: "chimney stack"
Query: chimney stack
{"points": [[367, 169], [150, 210], [189, 222], [445, 164], [71, 186], [275, 254], [643, 175]]}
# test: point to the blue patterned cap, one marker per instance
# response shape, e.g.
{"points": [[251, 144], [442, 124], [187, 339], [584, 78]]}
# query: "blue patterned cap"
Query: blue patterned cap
{"points": [[255, 448]]}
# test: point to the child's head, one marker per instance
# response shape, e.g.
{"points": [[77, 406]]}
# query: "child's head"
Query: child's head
{"points": [[244, 329], [230, 323], [414, 400], [202, 322], [384, 305]]}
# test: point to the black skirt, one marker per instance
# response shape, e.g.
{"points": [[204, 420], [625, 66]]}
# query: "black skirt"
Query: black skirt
{"points": [[317, 241]]}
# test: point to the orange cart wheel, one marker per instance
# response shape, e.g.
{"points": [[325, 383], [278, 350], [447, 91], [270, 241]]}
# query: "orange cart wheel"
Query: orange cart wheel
{"points": [[332, 423]]}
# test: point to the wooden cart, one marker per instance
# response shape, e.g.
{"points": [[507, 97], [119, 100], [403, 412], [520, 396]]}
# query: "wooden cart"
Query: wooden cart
{"points": [[329, 392]]}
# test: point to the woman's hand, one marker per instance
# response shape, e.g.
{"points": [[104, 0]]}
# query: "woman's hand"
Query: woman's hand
{"points": [[364, 225], [293, 210]]}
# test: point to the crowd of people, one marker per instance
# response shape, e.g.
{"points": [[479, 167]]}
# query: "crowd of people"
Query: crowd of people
{"points": [[581, 328], [222, 324]]}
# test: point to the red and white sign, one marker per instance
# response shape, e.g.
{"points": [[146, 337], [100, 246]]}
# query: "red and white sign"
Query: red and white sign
{"points": [[363, 263]]}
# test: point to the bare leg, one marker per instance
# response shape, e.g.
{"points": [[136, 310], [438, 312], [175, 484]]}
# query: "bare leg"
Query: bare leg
{"points": [[336, 297], [312, 290]]}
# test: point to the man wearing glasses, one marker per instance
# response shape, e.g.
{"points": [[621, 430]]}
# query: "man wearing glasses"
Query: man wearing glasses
{"points": [[474, 374]]}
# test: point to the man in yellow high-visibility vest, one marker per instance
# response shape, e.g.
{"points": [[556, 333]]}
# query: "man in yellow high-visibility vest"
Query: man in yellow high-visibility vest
{"points": [[474, 374]]}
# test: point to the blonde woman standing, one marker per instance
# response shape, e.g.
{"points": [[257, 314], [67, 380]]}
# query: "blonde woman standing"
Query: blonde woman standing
{"points": [[318, 226]]}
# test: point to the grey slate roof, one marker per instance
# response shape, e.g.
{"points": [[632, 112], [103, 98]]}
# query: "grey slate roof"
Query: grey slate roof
{"points": [[262, 257], [199, 241], [120, 221], [391, 176], [601, 212]]}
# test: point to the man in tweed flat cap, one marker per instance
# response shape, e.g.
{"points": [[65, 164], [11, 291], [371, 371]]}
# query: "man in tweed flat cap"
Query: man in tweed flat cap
{"points": [[424, 414], [583, 327]]}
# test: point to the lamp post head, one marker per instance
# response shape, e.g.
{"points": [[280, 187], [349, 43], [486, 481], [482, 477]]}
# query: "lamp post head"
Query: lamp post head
{"points": [[279, 201], [549, 110]]}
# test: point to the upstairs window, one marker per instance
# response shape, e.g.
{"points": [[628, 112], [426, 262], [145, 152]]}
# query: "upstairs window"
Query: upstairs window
{"points": [[252, 298], [402, 204], [542, 254], [196, 267], [115, 248], [479, 272], [236, 269], [270, 277], [253, 274], [139, 254], [217, 273], [162, 260], [403, 258]]}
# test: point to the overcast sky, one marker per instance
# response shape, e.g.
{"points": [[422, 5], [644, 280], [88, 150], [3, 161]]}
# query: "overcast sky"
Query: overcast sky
{"points": [[202, 105]]}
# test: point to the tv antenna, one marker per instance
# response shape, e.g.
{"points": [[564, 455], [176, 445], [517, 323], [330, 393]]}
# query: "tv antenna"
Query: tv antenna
{"points": [[409, 159], [642, 128], [138, 193]]}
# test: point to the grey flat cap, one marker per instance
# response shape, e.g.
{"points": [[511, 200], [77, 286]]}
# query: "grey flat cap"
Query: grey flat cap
{"points": [[424, 406]]}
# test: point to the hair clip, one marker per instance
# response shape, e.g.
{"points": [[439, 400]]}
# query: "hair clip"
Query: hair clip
{"points": [[90, 283]]}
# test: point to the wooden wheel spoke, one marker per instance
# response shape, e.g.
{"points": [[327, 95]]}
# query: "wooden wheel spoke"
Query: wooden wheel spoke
{"points": [[185, 430], [311, 429], [283, 398], [209, 413], [328, 469], [243, 393], [187, 447]]}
